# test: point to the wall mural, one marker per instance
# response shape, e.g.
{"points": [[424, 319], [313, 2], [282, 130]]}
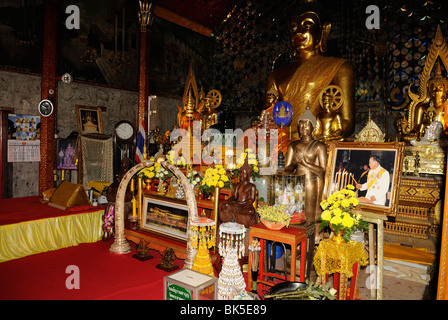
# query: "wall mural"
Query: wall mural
{"points": [[106, 48], [21, 35]]}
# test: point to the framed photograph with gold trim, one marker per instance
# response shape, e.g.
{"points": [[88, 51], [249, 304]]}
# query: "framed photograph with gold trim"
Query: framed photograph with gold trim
{"points": [[89, 119], [165, 216], [373, 168]]}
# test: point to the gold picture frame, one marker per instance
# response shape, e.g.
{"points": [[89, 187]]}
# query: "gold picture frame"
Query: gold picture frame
{"points": [[165, 217], [345, 165], [89, 119]]}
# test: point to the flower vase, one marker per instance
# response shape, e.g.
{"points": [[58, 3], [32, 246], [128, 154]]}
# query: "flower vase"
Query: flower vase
{"points": [[147, 182], [337, 237], [273, 225]]}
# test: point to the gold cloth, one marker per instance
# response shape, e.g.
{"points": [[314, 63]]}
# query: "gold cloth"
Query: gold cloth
{"points": [[308, 81], [30, 237], [339, 258]]}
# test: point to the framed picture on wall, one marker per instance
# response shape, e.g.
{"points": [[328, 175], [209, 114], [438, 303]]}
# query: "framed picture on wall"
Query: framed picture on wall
{"points": [[67, 154], [373, 168], [89, 119]]}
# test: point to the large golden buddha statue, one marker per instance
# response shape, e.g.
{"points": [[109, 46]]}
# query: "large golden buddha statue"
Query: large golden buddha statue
{"points": [[302, 80]]}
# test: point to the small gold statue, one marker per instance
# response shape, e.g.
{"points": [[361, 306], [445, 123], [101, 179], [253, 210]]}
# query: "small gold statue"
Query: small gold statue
{"points": [[429, 104], [303, 79], [190, 102], [209, 115], [329, 121], [308, 157]]}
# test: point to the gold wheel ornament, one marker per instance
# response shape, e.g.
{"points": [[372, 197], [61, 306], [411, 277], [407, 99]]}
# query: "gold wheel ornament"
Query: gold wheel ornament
{"points": [[215, 98], [336, 93]]}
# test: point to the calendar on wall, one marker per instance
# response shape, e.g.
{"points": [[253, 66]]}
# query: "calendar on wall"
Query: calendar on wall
{"points": [[23, 151], [23, 138]]}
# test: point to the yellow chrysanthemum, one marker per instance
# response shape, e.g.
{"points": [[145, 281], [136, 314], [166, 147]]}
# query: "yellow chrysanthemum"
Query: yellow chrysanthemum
{"points": [[347, 221], [326, 215], [345, 203], [336, 220]]}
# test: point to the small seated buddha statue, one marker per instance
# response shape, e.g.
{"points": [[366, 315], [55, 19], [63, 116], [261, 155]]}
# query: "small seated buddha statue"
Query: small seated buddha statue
{"points": [[209, 116], [329, 121], [239, 207], [432, 109]]}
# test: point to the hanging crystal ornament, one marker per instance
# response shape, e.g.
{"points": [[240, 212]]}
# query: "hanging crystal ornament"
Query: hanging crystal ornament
{"points": [[231, 248]]}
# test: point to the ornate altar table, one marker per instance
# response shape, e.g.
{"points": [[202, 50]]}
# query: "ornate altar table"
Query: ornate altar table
{"points": [[343, 261]]}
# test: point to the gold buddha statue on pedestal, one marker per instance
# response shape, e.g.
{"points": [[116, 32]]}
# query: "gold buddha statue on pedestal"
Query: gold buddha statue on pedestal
{"points": [[430, 103], [329, 121], [301, 81]]}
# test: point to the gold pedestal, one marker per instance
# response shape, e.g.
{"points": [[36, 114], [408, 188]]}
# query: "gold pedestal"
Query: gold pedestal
{"points": [[431, 159]]}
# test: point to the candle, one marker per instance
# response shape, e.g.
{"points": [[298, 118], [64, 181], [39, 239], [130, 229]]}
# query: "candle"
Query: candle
{"points": [[134, 208]]}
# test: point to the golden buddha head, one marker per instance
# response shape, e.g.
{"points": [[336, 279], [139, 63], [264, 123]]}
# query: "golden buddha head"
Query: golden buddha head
{"points": [[327, 100], [271, 97], [307, 34], [438, 86]]}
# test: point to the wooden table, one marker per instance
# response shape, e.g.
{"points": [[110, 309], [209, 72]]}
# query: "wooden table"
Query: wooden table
{"points": [[291, 236]]}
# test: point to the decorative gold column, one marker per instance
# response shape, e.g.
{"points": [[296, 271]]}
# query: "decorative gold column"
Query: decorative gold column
{"points": [[48, 91], [145, 18]]}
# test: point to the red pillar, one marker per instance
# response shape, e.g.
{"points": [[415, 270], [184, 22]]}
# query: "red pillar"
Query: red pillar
{"points": [[143, 81], [48, 91]]}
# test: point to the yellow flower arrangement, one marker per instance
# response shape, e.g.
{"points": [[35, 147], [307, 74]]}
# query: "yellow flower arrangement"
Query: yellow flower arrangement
{"points": [[253, 163], [176, 161], [274, 214], [155, 171], [338, 212], [215, 177]]}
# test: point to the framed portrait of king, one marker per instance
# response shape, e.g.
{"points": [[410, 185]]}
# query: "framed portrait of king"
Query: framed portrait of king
{"points": [[373, 168]]}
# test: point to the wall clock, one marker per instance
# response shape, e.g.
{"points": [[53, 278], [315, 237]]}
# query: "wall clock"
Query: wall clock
{"points": [[124, 144], [45, 108], [124, 131]]}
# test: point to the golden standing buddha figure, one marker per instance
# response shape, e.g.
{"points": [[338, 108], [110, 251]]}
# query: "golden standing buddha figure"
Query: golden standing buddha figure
{"points": [[329, 121], [302, 80]]}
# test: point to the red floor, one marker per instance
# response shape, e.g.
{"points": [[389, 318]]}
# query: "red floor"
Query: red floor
{"points": [[102, 275]]}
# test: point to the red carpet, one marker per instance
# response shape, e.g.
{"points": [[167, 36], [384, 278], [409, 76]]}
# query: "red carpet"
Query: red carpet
{"points": [[103, 275]]}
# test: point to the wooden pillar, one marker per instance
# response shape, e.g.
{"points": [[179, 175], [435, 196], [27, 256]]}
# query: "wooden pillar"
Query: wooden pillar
{"points": [[4, 171], [48, 91], [143, 80], [146, 17]]}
